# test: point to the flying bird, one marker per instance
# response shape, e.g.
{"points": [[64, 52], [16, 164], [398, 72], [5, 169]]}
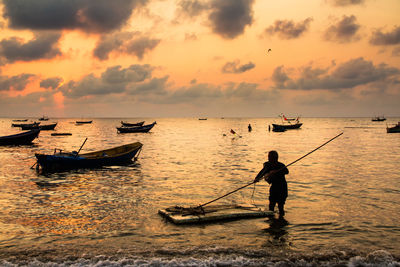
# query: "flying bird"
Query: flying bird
{"points": [[269, 50]]}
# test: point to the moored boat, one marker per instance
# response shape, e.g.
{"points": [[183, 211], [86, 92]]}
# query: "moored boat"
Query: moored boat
{"points": [[24, 138], [20, 120], [62, 161], [25, 124], [44, 118], [394, 129], [136, 129], [278, 127], [83, 122], [128, 124], [40, 127], [378, 118], [60, 134]]}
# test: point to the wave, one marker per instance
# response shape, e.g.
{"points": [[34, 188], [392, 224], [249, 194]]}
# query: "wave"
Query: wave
{"points": [[218, 257]]}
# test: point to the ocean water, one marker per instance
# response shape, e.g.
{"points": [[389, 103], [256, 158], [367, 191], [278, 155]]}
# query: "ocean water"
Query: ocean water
{"points": [[343, 207]]}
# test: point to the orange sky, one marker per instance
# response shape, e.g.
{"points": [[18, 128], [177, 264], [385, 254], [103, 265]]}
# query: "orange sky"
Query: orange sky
{"points": [[200, 57]]}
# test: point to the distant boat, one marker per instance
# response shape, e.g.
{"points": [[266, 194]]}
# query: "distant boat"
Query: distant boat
{"points": [[25, 124], [24, 138], [136, 129], [202, 119], [40, 127], [394, 129], [44, 118], [378, 118], [128, 124], [21, 120], [83, 122], [277, 127], [63, 161], [60, 134], [287, 124]]}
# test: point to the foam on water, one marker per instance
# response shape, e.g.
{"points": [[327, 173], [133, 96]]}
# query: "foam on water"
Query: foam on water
{"points": [[378, 258]]}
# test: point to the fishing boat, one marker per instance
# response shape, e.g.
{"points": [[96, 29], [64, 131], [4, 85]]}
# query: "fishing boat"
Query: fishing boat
{"points": [[202, 119], [394, 129], [24, 138], [136, 129], [25, 124], [128, 124], [20, 120], [287, 124], [83, 122], [279, 127], [40, 127], [378, 118], [62, 161], [44, 118]]}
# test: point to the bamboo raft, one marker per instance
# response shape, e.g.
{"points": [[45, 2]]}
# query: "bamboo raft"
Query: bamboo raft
{"points": [[213, 213]]}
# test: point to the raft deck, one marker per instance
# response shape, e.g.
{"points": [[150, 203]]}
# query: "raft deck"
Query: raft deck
{"points": [[196, 215]]}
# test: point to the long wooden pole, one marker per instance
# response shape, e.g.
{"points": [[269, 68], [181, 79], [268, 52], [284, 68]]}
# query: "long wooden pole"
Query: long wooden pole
{"points": [[202, 205], [80, 148]]}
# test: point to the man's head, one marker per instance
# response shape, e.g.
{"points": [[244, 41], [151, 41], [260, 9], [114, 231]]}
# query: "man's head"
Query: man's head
{"points": [[273, 156]]}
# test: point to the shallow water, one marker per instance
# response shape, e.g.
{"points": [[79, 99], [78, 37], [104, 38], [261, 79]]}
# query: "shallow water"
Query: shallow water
{"points": [[343, 204]]}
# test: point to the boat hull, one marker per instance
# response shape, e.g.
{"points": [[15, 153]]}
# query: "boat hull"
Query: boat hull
{"points": [[40, 127], [395, 129], [24, 138], [286, 127], [138, 129], [68, 161], [127, 124]]}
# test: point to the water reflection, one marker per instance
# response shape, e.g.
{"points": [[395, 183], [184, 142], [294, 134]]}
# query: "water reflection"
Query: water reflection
{"points": [[278, 229]]}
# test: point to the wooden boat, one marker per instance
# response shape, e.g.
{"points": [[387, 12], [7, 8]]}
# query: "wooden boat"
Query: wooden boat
{"points": [[21, 120], [24, 138], [378, 118], [127, 124], [394, 129], [136, 129], [44, 118], [83, 122], [202, 119], [277, 127], [207, 214], [25, 124], [62, 161], [60, 134], [40, 127]]}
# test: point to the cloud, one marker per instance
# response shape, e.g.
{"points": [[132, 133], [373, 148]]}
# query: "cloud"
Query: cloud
{"points": [[347, 75], [345, 2], [17, 82], [344, 31], [191, 8], [51, 82], [114, 80], [86, 15], [43, 46], [235, 67], [229, 18], [389, 38], [286, 29], [133, 43]]}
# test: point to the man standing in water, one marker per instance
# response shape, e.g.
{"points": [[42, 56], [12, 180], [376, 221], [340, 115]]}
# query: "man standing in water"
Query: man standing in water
{"points": [[274, 173]]}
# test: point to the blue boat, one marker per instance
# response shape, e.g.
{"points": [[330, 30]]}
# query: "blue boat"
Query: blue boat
{"points": [[24, 138], [63, 161]]}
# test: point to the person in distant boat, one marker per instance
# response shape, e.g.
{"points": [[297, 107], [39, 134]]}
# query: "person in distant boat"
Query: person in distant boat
{"points": [[274, 173], [249, 127]]}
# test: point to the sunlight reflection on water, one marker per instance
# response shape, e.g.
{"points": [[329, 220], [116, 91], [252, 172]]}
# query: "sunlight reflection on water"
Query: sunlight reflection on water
{"points": [[345, 194]]}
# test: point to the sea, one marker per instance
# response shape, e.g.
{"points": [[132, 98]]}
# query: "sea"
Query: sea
{"points": [[343, 207]]}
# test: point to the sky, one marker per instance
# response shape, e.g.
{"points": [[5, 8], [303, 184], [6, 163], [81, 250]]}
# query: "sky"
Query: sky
{"points": [[199, 58]]}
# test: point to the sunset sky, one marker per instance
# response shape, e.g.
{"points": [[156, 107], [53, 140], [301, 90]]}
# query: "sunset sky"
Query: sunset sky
{"points": [[196, 58]]}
